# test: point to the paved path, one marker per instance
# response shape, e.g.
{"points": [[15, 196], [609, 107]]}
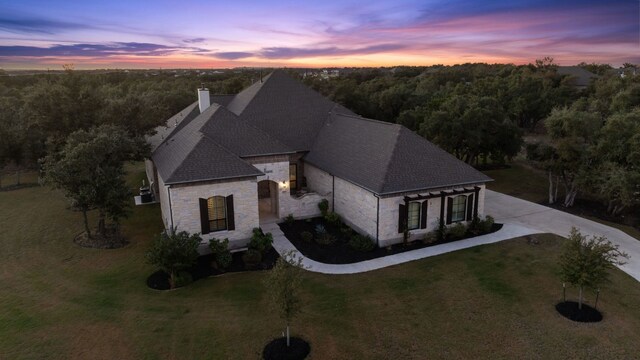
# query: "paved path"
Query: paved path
{"points": [[511, 210], [282, 244], [520, 217]]}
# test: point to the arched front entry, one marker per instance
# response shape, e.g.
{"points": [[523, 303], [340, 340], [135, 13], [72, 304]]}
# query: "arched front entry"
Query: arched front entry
{"points": [[268, 200]]}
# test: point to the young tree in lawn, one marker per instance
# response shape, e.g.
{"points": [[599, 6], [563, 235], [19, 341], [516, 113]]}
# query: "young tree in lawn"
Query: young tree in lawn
{"points": [[586, 262], [90, 170], [283, 284], [173, 252]]}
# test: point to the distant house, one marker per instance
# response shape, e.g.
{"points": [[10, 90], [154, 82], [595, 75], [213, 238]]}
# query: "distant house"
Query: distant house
{"points": [[580, 77], [227, 163]]}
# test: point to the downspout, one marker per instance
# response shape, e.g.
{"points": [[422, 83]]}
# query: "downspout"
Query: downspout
{"points": [[378, 221], [333, 193], [170, 207]]}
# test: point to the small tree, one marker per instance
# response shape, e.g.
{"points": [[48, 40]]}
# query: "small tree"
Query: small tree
{"points": [[173, 252], [585, 262], [283, 284]]}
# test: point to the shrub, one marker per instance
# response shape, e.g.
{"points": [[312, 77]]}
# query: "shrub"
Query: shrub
{"points": [[325, 239], [430, 237], [487, 224], [323, 205], [332, 218], [260, 241], [183, 278], [289, 219], [457, 231], [252, 258], [306, 236], [346, 231], [173, 252], [362, 243], [320, 229], [221, 254], [442, 230]]}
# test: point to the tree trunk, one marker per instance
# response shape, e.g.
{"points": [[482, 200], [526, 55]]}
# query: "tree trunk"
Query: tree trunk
{"points": [[555, 196], [570, 196], [172, 280], [101, 224], [580, 299], [288, 338], [86, 223]]}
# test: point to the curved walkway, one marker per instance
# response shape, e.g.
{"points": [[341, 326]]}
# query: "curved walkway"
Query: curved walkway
{"points": [[520, 218], [282, 244]]}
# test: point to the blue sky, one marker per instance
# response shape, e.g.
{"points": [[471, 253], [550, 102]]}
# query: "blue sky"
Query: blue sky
{"points": [[152, 34]]}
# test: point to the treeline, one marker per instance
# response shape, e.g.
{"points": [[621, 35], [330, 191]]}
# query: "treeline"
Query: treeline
{"points": [[480, 113], [38, 112]]}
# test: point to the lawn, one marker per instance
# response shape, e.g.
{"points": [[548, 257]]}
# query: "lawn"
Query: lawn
{"points": [[526, 183], [59, 301]]}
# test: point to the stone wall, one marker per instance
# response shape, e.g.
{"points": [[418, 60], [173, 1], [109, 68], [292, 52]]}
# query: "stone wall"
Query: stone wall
{"points": [[356, 206], [389, 207], [320, 182], [186, 208]]}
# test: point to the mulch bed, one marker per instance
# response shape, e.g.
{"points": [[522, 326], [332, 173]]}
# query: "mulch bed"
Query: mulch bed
{"points": [[101, 242], [159, 280], [582, 207], [277, 349], [340, 252], [569, 309]]}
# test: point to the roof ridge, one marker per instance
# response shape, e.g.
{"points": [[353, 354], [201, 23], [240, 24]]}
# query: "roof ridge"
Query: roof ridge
{"points": [[360, 117], [255, 88]]}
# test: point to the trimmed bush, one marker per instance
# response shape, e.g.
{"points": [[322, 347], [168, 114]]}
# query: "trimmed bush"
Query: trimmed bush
{"points": [[320, 229], [487, 224], [306, 236], [457, 231], [260, 241], [289, 219], [362, 243], [346, 231], [221, 254], [252, 258], [183, 278], [325, 239], [332, 218], [430, 237], [323, 205]]}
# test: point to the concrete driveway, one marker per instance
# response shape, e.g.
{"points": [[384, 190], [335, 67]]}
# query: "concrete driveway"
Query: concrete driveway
{"points": [[508, 209]]}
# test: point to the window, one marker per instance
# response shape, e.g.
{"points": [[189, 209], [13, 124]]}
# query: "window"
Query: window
{"points": [[458, 208], [413, 216], [293, 177], [216, 209]]}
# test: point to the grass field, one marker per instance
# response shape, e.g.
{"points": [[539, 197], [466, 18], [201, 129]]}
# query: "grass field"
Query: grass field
{"points": [[525, 183], [59, 301]]}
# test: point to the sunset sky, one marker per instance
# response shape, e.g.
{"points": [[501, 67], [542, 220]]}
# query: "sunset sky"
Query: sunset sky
{"points": [[215, 34]]}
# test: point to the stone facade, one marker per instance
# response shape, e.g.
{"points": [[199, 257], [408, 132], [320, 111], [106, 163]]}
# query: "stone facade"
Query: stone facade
{"points": [[320, 182], [356, 206], [389, 207], [186, 208]]}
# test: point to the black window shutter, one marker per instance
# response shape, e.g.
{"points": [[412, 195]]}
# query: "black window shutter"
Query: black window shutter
{"points": [[423, 214], [449, 210], [470, 207], [402, 217], [204, 216], [231, 223]]}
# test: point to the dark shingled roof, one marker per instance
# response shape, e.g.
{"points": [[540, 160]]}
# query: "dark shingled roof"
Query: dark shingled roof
{"points": [[185, 155], [286, 109], [386, 158], [280, 115]]}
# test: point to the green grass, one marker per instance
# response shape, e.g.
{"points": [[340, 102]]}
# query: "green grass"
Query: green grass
{"points": [[523, 182], [59, 301]]}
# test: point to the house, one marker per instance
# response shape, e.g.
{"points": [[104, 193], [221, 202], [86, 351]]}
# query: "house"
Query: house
{"points": [[579, 77], [226, 163]]}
